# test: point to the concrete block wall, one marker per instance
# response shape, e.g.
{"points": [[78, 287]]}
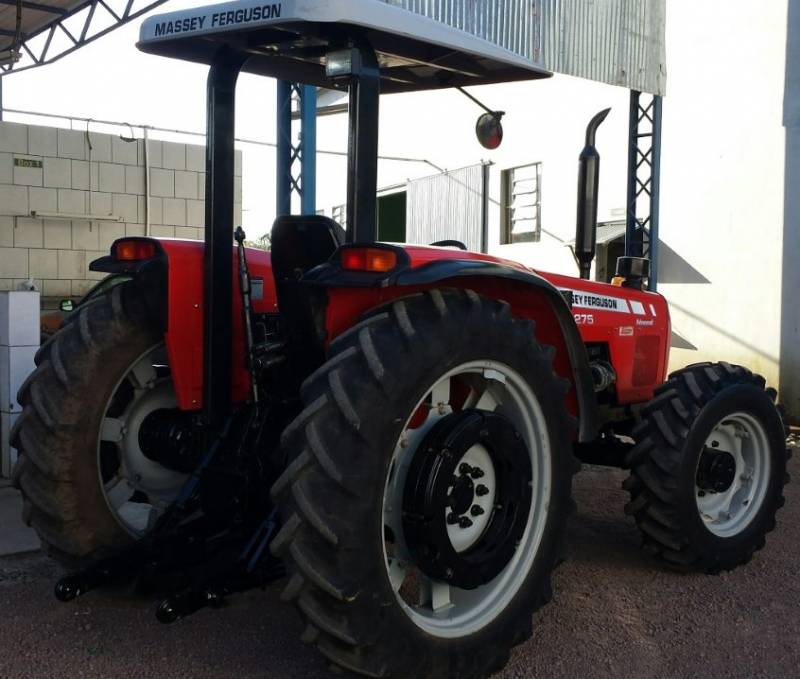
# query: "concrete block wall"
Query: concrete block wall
{"points": [[93, 174]]}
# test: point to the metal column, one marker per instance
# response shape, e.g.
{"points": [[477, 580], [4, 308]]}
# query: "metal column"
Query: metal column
{"points": [[283, 151], [362, 158], [302, 152], [308, 150], [644, 175], [218, 264]]}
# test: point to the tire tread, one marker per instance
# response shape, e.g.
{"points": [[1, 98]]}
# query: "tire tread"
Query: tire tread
{"points": [[655, 462]]}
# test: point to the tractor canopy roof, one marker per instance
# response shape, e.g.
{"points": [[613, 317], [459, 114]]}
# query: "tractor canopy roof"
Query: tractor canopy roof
{"points": [[290, 40]]}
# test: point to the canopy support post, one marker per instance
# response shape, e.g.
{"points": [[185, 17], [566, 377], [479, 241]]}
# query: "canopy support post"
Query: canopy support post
{"points": [[644, 177]]}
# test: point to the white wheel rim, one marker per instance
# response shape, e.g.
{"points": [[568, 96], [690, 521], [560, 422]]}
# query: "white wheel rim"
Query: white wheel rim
{"points": [[728, 513], [140, 490], [443, 610]]}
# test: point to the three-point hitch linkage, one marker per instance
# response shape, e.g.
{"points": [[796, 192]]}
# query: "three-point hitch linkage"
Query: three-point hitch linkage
{"points": [[207, 544]]}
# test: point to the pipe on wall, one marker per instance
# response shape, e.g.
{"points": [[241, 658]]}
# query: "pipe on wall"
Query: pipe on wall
{"points": [[146, 182]]}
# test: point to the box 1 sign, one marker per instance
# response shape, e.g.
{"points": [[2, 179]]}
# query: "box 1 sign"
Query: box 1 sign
{"points": [[27, 162]]}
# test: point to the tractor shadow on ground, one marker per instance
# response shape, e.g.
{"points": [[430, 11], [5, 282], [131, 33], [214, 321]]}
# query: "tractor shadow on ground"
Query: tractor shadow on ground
{"points": [[600, 533], [616, 612]]}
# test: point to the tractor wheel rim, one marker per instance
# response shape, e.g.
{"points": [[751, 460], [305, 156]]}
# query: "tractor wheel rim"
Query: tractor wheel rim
{"points": [[434, 606], [729, 512], [462, 538], [136, 489]]}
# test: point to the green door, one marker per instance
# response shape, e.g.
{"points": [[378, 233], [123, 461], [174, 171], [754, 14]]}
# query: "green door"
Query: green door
{"points": [[392, 217]]}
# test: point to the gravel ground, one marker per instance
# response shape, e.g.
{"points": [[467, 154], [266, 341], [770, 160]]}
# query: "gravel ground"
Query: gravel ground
{"points": [[615, 613]]}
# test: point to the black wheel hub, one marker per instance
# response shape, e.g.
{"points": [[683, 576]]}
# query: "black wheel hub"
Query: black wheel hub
{"points": [[440, 492], [171, 437], [462, 494], [716, 471]]}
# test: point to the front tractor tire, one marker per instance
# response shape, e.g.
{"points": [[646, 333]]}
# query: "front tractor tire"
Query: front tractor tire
{"points": [[427, 490], [87, 488], [708, 468]]}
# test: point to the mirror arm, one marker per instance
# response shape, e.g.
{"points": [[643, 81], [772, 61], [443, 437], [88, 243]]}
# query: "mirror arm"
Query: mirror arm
{"points": [[496, 114]]}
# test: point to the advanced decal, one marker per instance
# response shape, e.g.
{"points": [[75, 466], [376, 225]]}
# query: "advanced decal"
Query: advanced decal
{"points": [[218, 19]]}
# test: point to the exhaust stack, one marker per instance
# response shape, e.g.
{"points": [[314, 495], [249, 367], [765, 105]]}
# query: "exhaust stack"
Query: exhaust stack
{"points": [[588, 188]]}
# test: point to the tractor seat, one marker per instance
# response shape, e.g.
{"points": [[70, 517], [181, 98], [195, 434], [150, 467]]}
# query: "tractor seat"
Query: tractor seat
{"points": [[301, 242]]}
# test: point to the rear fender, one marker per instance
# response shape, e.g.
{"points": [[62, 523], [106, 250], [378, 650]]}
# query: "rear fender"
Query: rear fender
{"points": [[149, 279], [172, 285], [529, 295]]}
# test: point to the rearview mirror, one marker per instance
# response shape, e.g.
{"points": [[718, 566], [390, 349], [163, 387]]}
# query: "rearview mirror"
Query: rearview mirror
{"points": [[67, 305], [489, 130]]}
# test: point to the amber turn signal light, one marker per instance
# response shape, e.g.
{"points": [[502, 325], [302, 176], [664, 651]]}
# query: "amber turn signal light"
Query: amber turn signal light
{"points": [[375, 260], [134, 250]]}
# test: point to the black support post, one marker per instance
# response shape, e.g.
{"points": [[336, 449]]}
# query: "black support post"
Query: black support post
{"points": [[218, 265], [633, 234], [655, 193], [644, 178], [362, 156], [283, 150]]}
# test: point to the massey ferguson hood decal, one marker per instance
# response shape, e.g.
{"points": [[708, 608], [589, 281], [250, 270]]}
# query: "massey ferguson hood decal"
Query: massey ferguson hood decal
{"points": [[594, 300], [591, 300]]}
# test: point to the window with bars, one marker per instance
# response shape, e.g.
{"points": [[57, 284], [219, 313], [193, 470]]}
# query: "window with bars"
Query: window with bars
{"points": [[521, 204]]}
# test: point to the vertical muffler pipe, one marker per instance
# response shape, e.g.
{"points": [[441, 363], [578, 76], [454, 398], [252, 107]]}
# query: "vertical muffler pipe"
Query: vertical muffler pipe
{"points": [[588, 189]]}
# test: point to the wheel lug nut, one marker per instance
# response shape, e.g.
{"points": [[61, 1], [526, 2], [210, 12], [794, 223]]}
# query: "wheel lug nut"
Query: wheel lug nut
{"points": [[476, 510], [481, 490], [452, 518], [477, 473], [464, 469], [465, 522]]}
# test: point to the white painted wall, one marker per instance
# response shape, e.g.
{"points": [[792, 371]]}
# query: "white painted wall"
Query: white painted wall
{"points": [[723, 179]]}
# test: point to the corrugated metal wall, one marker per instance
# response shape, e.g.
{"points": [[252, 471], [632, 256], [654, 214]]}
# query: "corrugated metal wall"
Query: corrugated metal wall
{"points": [[509, 23], [448, 206], [620, 42]]}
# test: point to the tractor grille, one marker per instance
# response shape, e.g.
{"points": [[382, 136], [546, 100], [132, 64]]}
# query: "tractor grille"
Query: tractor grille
{"points": [[645, 360]]}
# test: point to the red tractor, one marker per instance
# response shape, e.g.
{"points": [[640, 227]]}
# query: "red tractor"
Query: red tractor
{"points": [[392, 428]]}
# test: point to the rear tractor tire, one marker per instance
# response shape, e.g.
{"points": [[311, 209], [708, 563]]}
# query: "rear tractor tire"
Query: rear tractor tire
{"points": [[427, 490], [88, 490], [708, 468]]}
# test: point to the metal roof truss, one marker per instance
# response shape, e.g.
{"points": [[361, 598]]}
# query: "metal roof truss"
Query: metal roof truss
{"points": [[51, 29]]}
